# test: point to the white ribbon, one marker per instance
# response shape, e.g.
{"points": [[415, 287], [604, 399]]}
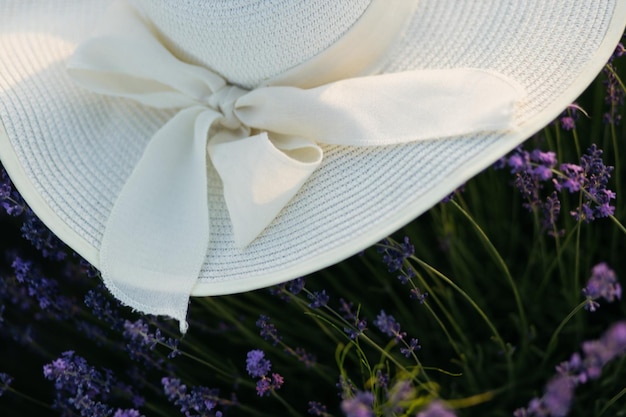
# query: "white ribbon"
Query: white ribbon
{"points": [[157, 236]]}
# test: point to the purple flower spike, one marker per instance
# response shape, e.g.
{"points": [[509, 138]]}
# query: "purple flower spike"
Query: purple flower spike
{"points": [[592, 177], [267, 330], [256, 364], [296, 285], [388, 325], [615, 339], [602, 284], [559, 395], [12, 203], [201, 400], [580, 369], [173, 388], [5, 381], [259, 367], [412, 347], [267, 384], [361, 405], [127, 413], [615, 95], [317, 409], [394, 257], [318, 299], [83, 388], [436, 409], [141, 342], [569, 117]]}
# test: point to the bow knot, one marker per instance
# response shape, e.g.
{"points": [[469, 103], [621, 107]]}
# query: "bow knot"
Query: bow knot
{"points": [[223, 101]]}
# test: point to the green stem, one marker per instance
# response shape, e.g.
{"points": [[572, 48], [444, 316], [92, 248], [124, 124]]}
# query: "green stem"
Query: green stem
{"points": [[617, 77], [556, 332], [476, 307], [619, 225], [29, 398], [289, 408], [505, 269], [612, 401]]}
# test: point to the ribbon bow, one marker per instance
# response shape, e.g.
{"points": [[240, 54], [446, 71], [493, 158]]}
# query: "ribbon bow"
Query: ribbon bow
{"points": [[263, 144]]}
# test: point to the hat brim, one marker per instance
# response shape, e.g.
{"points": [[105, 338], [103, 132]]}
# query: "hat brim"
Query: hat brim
{"points": [[69, 151]]}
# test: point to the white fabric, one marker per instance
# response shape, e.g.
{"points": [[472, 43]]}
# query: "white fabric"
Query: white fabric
{"points": [[157, 236]]}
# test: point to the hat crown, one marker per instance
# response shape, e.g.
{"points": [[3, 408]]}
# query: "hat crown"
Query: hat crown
{"points": [[250, 41]]}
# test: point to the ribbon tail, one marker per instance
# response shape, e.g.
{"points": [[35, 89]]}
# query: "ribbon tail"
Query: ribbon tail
{"points": [[156, 238], [260, 176], [387, 109]]}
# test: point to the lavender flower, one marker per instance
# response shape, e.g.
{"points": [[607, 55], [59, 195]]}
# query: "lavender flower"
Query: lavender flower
{"points": [[259, 367], [436, 409], [614, 97], [347, 310], [294, 287], [317, 409], [141, 342], [598, 353], [359, 327], [531, 170], [308, 359], [42, 238], [602, 284], [83, 388], [417, 294], [351, 315], [256, 364], [267, 384], [395, 255], [573, 177], [361, 405], [138, 333], [127, 413], [201, 401], [382, 378], [318, 299], [270, 333], [559, 392], [268, 330], [568, 123], [346, 387], [551, 210], [559, 395], [44, 291], [105, 308], [569, 117], [204, 400], [530, 188], [398, 396], [173, 388], [5, 381], [592, 177], [412, 347], [388, 325], [12, 203]]}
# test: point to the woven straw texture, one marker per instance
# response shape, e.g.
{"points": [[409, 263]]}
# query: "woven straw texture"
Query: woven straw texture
{"points": [[286, 32], [76, 149]]}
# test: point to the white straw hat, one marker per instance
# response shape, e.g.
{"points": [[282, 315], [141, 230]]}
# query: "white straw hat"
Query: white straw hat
{"points": [[107, 109]]}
